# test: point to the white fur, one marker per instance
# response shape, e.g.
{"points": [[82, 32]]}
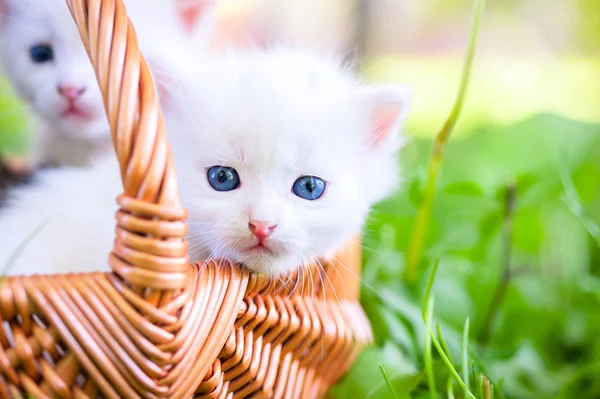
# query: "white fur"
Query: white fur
{"points": [[274, 116], [65, 220], [25, 23]]}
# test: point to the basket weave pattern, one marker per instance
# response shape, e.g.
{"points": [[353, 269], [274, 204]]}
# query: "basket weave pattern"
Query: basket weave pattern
{"points": [[158, 327]]}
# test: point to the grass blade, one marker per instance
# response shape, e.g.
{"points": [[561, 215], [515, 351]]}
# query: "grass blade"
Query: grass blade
{"points": [[450, 387], [21, 247], [450, 383], [387, 381], [425, 305], [428, 354], [443, 342], [573, 202], [413, 255], [465, 356], [430, 338]]}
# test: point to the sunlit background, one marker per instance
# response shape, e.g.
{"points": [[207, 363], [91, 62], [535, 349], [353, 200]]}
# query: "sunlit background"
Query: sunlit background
{"points": [[534, 56], [531, 120]]}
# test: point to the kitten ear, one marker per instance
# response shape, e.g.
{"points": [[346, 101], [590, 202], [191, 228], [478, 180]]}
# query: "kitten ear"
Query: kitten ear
{"points": [[4, 11], [7, 6], [197, 17], [165, 80], [387, 107]]}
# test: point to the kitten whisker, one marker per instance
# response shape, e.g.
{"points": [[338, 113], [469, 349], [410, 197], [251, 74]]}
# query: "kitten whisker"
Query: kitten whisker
{"points": [[330, 283], [363, 282]]}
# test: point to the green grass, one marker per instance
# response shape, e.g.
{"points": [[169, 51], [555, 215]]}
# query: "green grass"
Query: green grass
{"points": [[13, 122], [543, 337]]}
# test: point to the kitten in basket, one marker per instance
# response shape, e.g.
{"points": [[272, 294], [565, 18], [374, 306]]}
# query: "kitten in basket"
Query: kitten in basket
{"points": [[44, 59], [280, 155]]}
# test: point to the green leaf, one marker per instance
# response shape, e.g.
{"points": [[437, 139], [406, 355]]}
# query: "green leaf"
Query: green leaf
{"points": [[365, 380], [464, 188], [415, 191]]}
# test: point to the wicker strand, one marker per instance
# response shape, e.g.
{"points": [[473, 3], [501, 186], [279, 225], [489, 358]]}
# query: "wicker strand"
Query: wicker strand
{"points": [[103, 339], [151, 219]]}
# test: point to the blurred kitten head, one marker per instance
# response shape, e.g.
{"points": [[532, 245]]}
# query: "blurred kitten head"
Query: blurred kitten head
{"points": [[279, 154], [43, 56]]}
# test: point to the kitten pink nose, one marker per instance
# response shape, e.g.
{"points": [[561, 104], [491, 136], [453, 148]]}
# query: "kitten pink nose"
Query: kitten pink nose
{"points": [[71, 93], [261, 229]]}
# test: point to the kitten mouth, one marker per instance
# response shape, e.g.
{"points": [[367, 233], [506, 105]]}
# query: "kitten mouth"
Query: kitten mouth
{"points": [[260, 248], [75, 112]]}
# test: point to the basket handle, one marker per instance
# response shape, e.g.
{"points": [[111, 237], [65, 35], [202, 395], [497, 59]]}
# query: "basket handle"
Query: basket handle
{"points": [[149, 250]]}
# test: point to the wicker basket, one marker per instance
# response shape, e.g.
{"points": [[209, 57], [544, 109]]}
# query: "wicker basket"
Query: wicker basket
{"points": [[157, 326]]}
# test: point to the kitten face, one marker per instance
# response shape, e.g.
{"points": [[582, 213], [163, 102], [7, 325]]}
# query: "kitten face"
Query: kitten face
{"points": [[276, 157], [44, 57]]}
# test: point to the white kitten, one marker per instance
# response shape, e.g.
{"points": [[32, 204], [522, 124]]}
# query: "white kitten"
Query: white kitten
{"points": [[43, 56], [279, 156]]}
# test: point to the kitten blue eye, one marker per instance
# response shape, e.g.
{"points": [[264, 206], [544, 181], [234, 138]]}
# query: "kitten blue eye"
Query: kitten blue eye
{"points": [[309, 187], [223, 178], [41, 53]]}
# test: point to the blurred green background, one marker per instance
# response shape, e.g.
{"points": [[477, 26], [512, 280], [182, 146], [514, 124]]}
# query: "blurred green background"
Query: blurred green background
{"points": [[530, 128], [530, 120]]}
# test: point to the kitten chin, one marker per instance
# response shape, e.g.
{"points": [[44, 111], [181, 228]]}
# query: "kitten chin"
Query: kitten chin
{"points": [[267, 263]]}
